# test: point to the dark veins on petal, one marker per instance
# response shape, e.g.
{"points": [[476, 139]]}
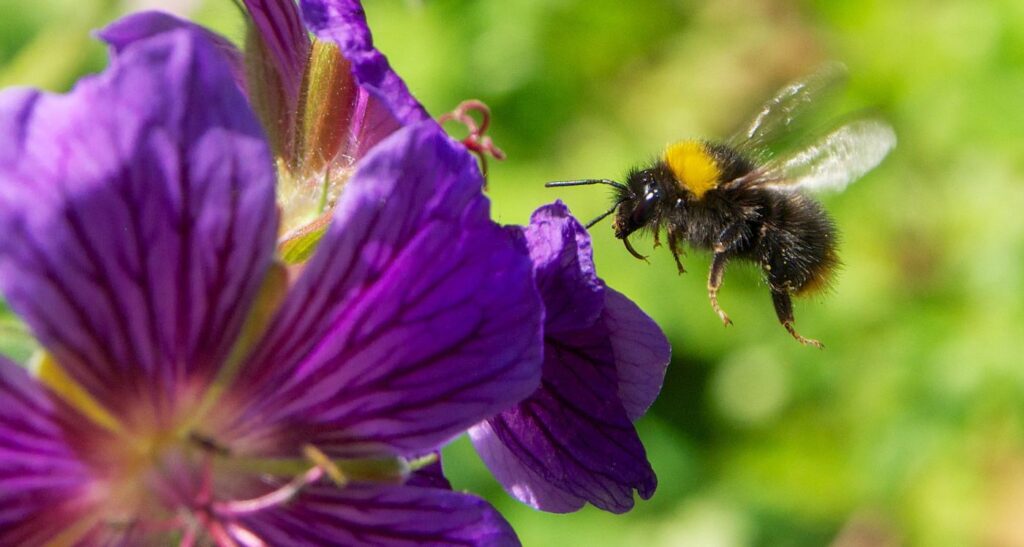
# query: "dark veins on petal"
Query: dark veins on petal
{"points": [[40, 472], [574, 432], [416, 314], [122, 185]]}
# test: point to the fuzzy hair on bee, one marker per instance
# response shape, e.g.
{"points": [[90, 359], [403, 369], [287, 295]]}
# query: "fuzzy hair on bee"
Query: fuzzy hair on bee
{"points": [[740, 201]]}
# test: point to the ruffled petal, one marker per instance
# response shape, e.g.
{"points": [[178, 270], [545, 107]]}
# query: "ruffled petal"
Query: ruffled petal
{"points": [[390, 105], [563, 262], [642, 352], [279, 26], [395, 515], [138, 219], [416, 318], [572, 434], [139, 26], [44, 486], [573, 440]]}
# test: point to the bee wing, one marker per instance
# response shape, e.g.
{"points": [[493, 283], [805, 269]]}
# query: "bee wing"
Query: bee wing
{"points": [[779, 115], [831, 163]]}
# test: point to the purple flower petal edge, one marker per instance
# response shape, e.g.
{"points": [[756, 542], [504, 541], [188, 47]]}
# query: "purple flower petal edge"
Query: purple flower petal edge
{"points": [[564, 269], [139, 26], [642, 352], [343, 22]]}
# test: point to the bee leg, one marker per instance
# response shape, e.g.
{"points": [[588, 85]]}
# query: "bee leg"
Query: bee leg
{"points": [[784, 309], [673, 245], [715, 277], [727, 241]]}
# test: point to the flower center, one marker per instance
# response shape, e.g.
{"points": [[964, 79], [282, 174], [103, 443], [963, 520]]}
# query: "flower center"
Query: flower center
{"points": [[305, 198], [177, 481], [182, 473]]}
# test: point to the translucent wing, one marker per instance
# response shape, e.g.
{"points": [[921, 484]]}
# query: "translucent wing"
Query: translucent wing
{"points": [[831, 163], [779, 115]]}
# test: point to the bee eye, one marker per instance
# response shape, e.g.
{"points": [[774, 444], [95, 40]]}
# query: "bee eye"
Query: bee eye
{"points": [[645, 208]]}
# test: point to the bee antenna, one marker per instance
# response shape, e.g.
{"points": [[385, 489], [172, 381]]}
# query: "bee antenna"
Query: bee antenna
{"points": [[604, 214], [586, 182]]}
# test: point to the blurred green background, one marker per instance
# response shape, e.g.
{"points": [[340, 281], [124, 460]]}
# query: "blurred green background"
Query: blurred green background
{"points": [[909, 428]]}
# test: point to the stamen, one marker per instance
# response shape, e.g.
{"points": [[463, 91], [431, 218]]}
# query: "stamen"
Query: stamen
{"points": [[246, 536], [282, 495], [422, 461], [219, 534], [323, 461]]}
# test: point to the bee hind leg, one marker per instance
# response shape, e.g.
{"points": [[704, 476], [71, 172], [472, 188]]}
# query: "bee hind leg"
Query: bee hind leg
{"points": [[715, 277], [784, 309]]}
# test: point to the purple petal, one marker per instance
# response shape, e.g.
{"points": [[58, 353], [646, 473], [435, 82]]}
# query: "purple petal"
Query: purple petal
{"points": [[138, 219], [396, 515], [518, 478], [416, 318], [573, 433], [139, 26], [343, 22], [43, 484], [641, 351], [573, 441], [563, 262], [279, 26]]}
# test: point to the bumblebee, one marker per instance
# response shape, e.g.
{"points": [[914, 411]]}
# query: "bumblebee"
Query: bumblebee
{"points": [[743, 198]]}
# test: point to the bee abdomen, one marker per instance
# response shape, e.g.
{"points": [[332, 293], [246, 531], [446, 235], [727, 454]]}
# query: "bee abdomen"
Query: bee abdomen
{"points": [[797, 245]]}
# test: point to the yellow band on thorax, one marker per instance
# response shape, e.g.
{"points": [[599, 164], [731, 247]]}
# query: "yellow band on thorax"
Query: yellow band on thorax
{"points": [[693, 166]]}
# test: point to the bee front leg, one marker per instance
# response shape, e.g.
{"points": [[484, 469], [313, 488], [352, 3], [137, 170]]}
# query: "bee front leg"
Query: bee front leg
{"points": [[715, 277], [784, 309]]}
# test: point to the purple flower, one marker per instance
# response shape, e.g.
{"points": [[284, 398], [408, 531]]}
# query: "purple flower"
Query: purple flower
{"points": [[573, 440], [189, 391]]}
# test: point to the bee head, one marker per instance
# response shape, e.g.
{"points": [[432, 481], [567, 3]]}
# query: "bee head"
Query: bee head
{"points": [[638, 202]]}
